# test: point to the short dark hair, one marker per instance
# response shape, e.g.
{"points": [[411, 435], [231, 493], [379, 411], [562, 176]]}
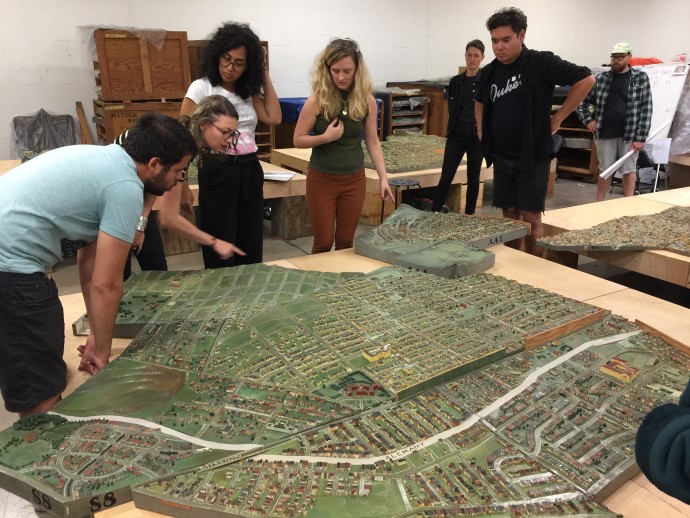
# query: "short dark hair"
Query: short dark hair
{"points": [[508, 16], [228, 37], [157, 135], [477, 44]]}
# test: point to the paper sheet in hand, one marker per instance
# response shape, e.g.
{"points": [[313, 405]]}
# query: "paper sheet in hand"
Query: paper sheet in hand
{"points": [[659, 150], [281, 176]]}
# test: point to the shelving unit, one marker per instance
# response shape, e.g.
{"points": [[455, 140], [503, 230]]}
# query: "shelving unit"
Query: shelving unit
{"points": [[404, 111], [265, 140], [578, 155], [436, 91]]}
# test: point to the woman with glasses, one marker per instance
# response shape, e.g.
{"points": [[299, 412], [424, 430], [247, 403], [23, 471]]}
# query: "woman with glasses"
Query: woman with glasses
{"points": [[340, 108], [462, 131], [231, 203], [213, 124]]}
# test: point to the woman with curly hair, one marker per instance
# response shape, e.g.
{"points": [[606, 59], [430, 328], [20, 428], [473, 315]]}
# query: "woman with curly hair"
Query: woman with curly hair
{"points": [[231, 203], [340, 108]]}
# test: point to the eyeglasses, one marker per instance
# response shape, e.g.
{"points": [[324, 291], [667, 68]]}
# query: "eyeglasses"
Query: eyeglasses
{"points": [[226, 60], [345, 43], [619, 57], [226, 134]]}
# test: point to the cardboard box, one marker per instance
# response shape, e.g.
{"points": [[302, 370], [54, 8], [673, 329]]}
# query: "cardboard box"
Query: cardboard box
{"points": [[679, 171]]}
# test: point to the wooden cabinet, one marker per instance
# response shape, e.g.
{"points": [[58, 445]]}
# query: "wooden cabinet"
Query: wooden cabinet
{"points": [[404, 112], [265, 139], [578, 155], [437, 92]]}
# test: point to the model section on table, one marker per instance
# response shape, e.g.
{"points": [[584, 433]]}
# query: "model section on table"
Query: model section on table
{"points": [[539, 433], [409, 152], [386, 393], [155, 296], [666, 230], [449, 245]]}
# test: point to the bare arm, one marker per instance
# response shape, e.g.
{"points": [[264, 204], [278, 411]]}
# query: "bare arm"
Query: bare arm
{"points": [[188, 107], [267, 105], [577, 94], [169, 217], [305, 123], [371, 140], [478, 117], [149, 200], [100, 275]]}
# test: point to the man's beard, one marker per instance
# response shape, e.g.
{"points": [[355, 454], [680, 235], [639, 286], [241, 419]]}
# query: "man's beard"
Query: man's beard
{"points": [[157, 185]]}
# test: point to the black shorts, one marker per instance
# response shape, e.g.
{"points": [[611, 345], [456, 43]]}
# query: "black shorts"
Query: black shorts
{"points": [[32, 340], [524, 189]]}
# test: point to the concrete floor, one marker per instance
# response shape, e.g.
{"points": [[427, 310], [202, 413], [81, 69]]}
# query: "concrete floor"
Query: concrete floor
{"points": [[566, 193]]}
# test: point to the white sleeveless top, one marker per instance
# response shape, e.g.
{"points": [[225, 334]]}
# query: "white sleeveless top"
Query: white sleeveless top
{"points": [[248, 119]]}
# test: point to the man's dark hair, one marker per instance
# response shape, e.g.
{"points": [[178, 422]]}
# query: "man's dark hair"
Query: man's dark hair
{"points": [[228, 37], [477, 44], [157, 135], [508, 16]]}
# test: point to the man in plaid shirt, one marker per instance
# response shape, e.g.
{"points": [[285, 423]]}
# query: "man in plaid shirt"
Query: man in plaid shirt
{"points": [[618, 110]]}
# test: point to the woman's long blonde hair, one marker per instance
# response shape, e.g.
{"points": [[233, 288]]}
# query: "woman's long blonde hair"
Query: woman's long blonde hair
{"points": [[208, 110], [327, 93]]}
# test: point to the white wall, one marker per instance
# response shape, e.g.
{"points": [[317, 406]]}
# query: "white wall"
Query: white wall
{"points": [[44, 61]]}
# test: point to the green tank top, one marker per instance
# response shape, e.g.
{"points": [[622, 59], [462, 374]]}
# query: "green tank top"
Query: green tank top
{"points": [[342, 156]]}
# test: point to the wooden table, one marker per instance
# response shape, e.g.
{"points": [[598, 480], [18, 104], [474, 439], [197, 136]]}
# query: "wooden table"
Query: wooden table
{"points": [[275, 191], [295, 186], [6, 165], [636, 498], [667, 266], [298, 159]]}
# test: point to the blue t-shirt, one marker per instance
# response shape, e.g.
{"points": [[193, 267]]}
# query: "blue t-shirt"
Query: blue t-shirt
{"points": [[63, 196]]}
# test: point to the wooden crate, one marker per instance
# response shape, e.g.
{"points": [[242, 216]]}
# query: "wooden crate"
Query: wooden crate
{"points": [[112, 119], [131, 68]]}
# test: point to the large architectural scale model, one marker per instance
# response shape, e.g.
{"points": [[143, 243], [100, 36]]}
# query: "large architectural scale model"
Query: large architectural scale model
{"points": [[155, 296], [394, 393], [666, 230], [448, 245], [409, 152]]}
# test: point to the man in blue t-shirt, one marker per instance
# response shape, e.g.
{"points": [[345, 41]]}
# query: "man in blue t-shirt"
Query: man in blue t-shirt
{"points": [[514, 119], [84, 197]]}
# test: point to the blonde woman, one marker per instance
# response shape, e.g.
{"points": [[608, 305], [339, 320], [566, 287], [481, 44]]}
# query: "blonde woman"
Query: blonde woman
{"points": [[213, 125], [340, 108]]}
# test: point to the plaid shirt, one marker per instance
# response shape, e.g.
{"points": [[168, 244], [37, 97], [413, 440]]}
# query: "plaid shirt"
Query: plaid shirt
{"points": [[638, 109]]}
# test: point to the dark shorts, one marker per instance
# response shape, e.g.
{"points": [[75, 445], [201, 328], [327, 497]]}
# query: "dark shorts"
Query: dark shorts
{"points": [[524, 189], [32, 340]]}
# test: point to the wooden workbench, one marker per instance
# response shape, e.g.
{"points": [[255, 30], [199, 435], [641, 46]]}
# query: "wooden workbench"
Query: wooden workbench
{"points": [[637, 498], [6, 165], [667, 266], [297, 159], [275, 191]]}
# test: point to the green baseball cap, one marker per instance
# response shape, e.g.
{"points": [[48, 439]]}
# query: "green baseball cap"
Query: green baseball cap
{"points": [[621, 48]]}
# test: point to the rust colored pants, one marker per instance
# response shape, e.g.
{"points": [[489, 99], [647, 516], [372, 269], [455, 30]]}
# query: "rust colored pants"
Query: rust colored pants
{"points": [[335, 202]]}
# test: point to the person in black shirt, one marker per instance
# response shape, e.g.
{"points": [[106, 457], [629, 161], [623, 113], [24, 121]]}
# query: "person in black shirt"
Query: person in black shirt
{"points": [[618, 111], [514, 120], [462, 131]]}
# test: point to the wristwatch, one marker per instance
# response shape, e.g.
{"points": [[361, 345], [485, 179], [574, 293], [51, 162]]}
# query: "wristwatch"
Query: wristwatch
{"points": [[143, 221]]}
